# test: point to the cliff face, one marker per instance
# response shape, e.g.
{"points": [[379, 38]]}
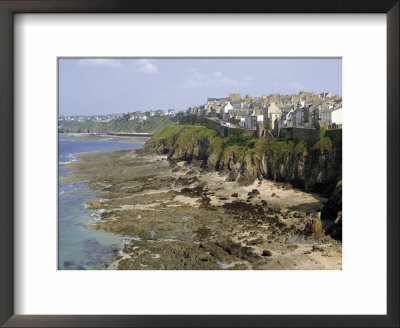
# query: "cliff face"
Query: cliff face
{"points": [[314, 168]]}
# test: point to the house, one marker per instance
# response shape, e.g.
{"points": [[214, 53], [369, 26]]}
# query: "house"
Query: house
{"points": [[324, 95], [244, 106], [272, 113], [336, 119], [289, 119], [285, 108], [326, 116], [337, 103], [228, 107], [235, 98], [237, 106], [250, 122]]}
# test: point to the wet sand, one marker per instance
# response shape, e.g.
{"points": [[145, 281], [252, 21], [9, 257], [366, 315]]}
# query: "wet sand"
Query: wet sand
{"points": [[185, 217]]}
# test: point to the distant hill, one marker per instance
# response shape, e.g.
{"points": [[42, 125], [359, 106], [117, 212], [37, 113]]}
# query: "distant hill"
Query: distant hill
{"points": [[150, 125]]}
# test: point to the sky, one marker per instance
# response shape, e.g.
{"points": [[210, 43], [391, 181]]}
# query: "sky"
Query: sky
{"points": [[90, 86]]}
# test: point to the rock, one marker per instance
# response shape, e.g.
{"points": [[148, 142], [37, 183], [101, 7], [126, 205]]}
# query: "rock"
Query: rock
{"points": [[266, 253], [232, 176], [335, 231], [316, 228], [94, 204], [245, 180], [235, 194], [253, 193], [334, 204], [318, 248], [273, 195], [205, 201], [292, 247], [287, 186]]}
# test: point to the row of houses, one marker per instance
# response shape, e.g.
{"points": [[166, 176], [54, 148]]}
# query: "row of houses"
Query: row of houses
{"points": [[86, 118], [271, 113], [140, 115]]}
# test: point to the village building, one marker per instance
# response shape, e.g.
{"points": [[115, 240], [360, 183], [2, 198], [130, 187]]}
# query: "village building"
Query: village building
{"points": [[271, 113], [235, 98], [336, 119]]}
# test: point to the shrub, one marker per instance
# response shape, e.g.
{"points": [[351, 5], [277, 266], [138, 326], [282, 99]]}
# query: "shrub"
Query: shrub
{"points": [[323, 145]]}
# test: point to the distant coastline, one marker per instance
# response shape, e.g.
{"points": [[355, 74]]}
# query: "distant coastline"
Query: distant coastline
{"points": [[81, 136]]}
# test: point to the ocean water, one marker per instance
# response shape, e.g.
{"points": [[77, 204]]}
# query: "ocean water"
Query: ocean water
{"points": [[80, 247]]}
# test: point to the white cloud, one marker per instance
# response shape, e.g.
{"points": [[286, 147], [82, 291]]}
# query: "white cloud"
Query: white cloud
{"points": [[248, 78], [194, 79], [100, 62], [217, 79], [145, 66], [139, 65]]}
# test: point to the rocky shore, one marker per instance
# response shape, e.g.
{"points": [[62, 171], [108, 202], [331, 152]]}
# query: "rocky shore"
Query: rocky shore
{"points": [[192, 209]]}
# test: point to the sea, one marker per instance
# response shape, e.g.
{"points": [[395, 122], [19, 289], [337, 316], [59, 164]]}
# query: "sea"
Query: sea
{"points": [[79, 246]]}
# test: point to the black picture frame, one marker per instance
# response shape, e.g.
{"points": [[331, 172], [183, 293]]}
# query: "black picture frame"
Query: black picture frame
{"points": [[10, 7]]}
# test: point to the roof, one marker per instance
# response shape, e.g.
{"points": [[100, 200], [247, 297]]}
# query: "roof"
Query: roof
{"points": [[285, 107]]}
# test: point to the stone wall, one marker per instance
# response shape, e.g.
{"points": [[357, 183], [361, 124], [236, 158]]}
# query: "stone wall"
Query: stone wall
{"points": [[335, 135], [310, 135], [303, 134]]}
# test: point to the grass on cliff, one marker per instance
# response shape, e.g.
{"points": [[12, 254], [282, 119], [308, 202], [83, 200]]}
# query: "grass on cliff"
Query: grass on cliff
{"points": [[324, 144], [240, 140], [151, 125], [279, 150], [181, 134], [195, 134]]}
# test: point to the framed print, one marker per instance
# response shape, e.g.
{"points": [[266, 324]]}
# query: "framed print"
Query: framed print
{"points": [[165, 165]]}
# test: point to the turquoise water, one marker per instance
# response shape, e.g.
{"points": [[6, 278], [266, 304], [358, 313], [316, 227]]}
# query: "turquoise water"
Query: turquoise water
{"points": [[80, 247]]}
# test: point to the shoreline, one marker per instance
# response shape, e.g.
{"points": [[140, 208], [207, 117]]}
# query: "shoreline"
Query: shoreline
{"points": [[93, 136], [186, 217]]}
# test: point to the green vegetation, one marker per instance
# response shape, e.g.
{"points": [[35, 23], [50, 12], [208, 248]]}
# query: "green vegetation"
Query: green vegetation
{"points": [[217, 145], [240, 140], [195, 133], [322, 133], [339, 185], [301, 149], [151, 125], [175, 135], [323, 145], [279, 150], [237, 150]]}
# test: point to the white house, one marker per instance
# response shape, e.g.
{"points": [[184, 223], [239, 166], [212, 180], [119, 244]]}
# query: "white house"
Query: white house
{"points": [[337, 116], [170, 112], [228, 107]]}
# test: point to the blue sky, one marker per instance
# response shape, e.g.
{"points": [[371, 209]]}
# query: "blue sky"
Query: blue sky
{"points": [[118, 85]]}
